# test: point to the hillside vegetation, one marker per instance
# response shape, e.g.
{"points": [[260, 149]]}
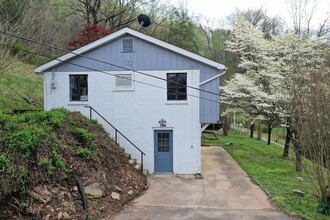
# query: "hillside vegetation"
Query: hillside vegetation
{"points": [[41, 153], [274, 173], [21, 88]]}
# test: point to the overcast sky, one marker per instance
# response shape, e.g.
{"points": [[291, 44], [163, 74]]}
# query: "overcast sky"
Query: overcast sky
{"points": [[222, 8]]}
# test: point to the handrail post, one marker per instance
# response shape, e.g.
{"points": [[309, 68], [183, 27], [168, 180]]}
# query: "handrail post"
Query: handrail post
{"points": [[90, 112], [141, 162], [116, 140]]}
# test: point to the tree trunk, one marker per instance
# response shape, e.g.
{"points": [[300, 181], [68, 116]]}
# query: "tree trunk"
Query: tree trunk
{"points": [[259, 131], [298, 151], [269, 134], [287, 142], [251, 130], [225, 125]]}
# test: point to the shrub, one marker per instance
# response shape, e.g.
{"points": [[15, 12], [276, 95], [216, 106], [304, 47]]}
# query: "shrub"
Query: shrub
{"points": [[324, 207], [23, 207], [58, 161], [85, 137], [26, 139], [90, 33], [3, 118], [84, 153], [48, 163], [20, 174], [24, 132], [5, 163], [50, 119]]}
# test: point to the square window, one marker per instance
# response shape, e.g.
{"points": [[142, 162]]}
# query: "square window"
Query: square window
{"points": [[177, 86], [123, 81], [78, 87]]}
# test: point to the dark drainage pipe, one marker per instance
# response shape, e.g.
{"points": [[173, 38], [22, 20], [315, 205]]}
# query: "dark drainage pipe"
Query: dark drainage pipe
{"points": [[82, 195]]}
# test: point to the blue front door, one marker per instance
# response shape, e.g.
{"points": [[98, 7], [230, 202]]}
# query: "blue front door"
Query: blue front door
{"points": [[163, 151]]}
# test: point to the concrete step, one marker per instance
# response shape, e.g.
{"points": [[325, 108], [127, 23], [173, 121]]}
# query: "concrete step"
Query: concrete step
{"points": [[146, 172], [132, 161], [137, 166]]}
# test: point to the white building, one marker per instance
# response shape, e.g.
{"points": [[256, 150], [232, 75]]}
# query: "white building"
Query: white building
{"points": [[156, 94]]}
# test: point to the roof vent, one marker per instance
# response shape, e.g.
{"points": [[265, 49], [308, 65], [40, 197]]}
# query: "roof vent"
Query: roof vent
{"points": [[128, 45]]}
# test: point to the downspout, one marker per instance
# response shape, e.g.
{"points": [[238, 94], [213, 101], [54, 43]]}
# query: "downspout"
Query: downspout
{"points": [[222, 72]]}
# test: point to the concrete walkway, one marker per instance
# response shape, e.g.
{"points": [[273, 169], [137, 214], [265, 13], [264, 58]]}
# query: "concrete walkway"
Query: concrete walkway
{"points": [[225, 193]]}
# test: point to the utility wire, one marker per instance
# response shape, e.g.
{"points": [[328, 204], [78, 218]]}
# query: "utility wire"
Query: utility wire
{"points": [[89, 68], [101, 61]]}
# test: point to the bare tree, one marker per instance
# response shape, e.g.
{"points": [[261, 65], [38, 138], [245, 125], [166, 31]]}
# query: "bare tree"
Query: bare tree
{"points": [[157, 11], [113, 14], [16, 17], [315, 133], [216, 38], [259, 18], [302, 14]]}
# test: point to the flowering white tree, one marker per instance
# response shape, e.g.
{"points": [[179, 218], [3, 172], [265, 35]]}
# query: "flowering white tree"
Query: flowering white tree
{"points": [[286, 80], [255, 90]]}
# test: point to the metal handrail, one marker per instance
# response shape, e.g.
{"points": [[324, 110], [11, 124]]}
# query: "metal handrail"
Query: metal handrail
{"points": [[116, 131]]}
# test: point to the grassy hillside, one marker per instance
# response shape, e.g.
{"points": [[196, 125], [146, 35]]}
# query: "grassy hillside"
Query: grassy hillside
{"points": [[273, 172], [21, 88], [41, 153]]}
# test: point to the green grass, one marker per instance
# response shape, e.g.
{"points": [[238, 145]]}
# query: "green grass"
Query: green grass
{"points": [[23, 137], [280, 134], [277, 134], [21, 88], [275, 174]]}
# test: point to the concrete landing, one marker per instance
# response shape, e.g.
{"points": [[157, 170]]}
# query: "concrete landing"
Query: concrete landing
{"points": [[225, 193]]}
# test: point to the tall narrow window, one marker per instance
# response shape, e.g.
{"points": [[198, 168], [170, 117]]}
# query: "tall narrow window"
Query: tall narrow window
{"points": [[78, 88], [177, 86]]}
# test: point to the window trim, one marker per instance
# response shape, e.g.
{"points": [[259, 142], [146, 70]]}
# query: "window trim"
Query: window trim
{"points": [[70, 89], [176, 100]]}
